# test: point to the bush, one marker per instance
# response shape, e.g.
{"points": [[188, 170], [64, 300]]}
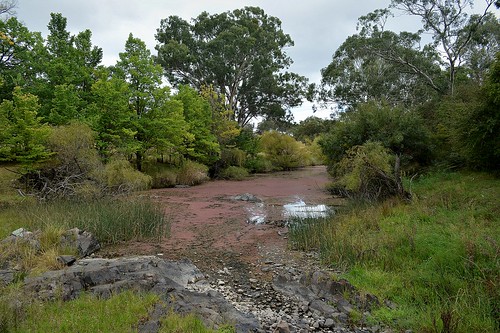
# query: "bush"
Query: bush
{"points": [[192, 173], [400, 130], [120, 177], [259, 164], [233, 157], [282, 150], [234, 173], [366, 172]]}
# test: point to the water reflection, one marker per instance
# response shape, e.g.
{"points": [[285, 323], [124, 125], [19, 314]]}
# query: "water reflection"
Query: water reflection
{"points": [[300, 210]]}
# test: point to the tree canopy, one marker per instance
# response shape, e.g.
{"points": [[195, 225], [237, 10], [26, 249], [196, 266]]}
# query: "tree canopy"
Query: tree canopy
{"points": [[239, 53]]}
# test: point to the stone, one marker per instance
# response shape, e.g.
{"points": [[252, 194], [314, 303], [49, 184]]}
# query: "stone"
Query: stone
{"points": [[246, 197], [66, 260], [329, 322], [172, 280], [282, 327], [85, 243], [7, 276]]}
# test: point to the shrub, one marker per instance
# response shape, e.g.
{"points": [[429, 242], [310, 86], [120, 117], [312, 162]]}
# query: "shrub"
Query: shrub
{"points": [[233, 157], [234, 173], [120, 177], [282, 150], [366, 172], [192, 173], [398, 129], [259, 164]]}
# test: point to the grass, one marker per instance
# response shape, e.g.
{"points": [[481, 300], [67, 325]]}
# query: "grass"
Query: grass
{"points": [[122, 312], [437, 258]]}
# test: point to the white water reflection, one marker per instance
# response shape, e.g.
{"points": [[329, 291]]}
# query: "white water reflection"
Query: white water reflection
{"points": [[301, 210], [257, 214]]}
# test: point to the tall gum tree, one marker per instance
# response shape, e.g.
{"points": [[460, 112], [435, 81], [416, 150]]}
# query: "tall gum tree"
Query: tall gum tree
{"points": [[239, 53]]}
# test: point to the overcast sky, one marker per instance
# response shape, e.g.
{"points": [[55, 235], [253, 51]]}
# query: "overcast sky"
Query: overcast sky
{"points": [[318, 27]]}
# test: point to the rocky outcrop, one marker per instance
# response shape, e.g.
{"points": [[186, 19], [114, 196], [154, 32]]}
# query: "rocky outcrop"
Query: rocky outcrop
{"points": [[182, 287]]}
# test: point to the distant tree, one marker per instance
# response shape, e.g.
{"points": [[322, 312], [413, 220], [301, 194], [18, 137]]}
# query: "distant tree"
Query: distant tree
{"points": [[381, 65], [239, 53], [22, 135], [449, 25], [203, 147], [20, 49], [67, 60], [310, 128], [155, 121]]}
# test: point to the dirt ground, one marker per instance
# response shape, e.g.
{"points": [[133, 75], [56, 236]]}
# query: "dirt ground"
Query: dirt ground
{"points": [[211, 229]]}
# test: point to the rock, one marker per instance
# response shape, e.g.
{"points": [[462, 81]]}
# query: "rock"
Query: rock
{"points": [[66, 260], [24, 236], [172, 280], [246, 197], [83, 241], [282, 327], [329, 322], [7, 276]]}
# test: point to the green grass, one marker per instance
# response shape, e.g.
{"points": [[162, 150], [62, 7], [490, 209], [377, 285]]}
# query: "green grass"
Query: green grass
{"points": [[122, 312], [437, 257]]}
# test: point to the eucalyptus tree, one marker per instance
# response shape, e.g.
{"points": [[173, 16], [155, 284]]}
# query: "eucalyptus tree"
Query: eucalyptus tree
{"points": [[450, 25], [240, 53]]}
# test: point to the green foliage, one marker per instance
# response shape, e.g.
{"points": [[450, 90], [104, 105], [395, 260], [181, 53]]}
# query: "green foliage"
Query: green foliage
{"points": [[366, 172], [192, 173], [310, 128], [259, 164], [240, 53], [163, 175], [468, 122], [22, 135], [120, 177], [234, 173], [282, 150], [233, 157], [436, 258], [400, 130], [204, 147]]}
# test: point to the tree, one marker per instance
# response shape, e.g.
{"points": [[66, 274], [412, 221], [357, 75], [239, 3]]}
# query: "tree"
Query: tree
{"points": [[156, 122], [66, 60], [240, 54], [19, 51], [448, 23], [7, 7], [22, 135], [203, 147], [381, 65]]}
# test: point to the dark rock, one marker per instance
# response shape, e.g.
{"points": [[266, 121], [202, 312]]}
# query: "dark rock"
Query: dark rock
{"points": [[66, 260], [246, 197], [7, 276], [22, 235], [175, 282], [83, 241]]}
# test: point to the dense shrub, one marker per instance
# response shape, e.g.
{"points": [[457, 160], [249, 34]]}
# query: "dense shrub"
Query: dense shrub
{"points": [[400, 130], [366, 172], [282, 150], [259, 164], [192, 173], [233, 157], [120, 177], [234, 173]]}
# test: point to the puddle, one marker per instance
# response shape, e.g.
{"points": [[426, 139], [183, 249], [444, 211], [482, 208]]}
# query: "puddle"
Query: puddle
{"points": [[258, 214], [301, 210]]}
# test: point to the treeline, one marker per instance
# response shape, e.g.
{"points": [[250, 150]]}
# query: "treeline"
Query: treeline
{"points": [[401, 106]]}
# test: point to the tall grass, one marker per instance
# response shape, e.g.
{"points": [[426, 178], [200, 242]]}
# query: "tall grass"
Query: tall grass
{"points": [[111, 221], [438, 257]]}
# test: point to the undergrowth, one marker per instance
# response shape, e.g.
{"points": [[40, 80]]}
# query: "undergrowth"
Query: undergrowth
{"points": [[437, 257]]}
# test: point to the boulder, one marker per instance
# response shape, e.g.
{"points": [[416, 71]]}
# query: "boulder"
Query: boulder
{"points": [[85, 243], [246, 197]]}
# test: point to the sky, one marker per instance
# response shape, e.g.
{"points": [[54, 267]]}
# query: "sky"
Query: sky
{"points": [[317, 27]]}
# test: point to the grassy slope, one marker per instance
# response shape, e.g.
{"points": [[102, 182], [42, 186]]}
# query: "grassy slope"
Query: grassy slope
{"points": [[437, 257]]}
